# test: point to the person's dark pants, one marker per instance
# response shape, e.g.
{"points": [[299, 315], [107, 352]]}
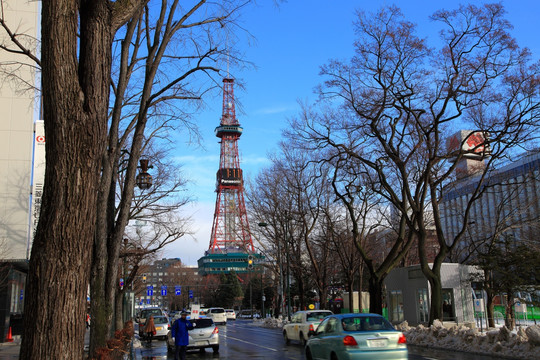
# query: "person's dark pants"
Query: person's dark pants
{"points": [[180, 353], [149, 337]]}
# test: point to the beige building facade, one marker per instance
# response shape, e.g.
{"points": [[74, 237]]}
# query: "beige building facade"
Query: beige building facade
{"points": [[19, 104]]}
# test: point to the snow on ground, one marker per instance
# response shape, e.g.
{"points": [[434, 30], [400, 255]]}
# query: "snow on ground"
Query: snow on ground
{"points": [[270, 322], [523, 343]]}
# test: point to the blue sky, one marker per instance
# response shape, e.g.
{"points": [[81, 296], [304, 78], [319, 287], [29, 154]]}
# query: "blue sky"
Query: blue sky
{"points": [[290, 43]]}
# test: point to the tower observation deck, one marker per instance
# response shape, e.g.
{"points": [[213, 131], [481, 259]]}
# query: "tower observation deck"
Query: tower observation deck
{"points": [[231, 245]]}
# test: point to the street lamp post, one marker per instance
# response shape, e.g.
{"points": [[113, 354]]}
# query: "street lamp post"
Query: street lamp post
{"points": [[263, 298], [287, 259]]}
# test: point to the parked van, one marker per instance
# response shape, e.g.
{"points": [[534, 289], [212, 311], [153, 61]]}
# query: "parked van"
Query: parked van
{"points": [[218, 315]]}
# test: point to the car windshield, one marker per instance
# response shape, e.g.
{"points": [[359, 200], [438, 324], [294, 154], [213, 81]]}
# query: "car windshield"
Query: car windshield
{"points": [[160, 320], [365, 323], [203, 323], [153, 312], [317, 316]]}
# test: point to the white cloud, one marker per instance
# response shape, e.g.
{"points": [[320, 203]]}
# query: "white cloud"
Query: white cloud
{"points": [[196, 159], [254, 160], [191, 248], [276, 109]]}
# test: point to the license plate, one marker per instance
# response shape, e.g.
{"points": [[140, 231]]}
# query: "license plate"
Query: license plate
{"points": [[377, 343], [200, 343], [159, 328]]}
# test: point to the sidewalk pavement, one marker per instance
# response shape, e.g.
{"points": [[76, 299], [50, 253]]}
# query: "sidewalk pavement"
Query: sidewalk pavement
{"points": [[10, 350]]}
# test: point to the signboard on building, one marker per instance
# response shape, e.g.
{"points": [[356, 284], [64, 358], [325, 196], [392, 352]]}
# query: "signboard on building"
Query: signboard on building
{"points": [[472, 147], [38, 178], [473, 144]]}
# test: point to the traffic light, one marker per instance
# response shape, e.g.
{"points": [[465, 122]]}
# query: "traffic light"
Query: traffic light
{"points": [[144, 278], [250, 262]]}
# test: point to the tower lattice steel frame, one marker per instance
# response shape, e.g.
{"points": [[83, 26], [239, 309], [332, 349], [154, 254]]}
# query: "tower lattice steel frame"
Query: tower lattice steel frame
{"points": [[230, 228]]}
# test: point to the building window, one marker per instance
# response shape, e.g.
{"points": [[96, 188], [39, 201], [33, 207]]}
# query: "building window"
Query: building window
{"points": [[448, 305], [395, 312], [422, 305]]}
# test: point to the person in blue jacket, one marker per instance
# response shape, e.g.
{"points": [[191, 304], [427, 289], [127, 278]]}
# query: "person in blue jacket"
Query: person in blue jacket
{"points": [[179, 332]]}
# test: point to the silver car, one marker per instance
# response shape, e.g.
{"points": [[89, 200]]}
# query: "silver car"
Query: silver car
{"points": [[162, 327], [204, 335], [356, 337]]}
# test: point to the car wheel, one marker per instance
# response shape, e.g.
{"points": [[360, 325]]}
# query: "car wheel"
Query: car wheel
{"points": [[308, 354], [302, 339], [333, 356], [286, 338], [215, 348], [202, 350]]}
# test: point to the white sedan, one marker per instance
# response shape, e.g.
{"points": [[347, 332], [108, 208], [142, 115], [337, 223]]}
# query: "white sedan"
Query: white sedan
{"points": [[302, 322]]}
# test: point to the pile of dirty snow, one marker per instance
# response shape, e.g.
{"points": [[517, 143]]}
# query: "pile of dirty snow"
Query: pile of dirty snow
{"points": [[522, 344], [271, 323]]}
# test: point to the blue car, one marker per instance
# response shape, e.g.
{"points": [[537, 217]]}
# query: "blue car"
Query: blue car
{"points": [[356, 336]]}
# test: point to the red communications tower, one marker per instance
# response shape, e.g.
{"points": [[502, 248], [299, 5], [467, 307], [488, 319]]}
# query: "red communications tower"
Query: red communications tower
{"points": [[231, 246], [230, 228]]}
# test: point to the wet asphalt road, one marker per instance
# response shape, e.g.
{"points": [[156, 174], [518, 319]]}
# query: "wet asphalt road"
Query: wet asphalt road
{"points": [[241, 339]]}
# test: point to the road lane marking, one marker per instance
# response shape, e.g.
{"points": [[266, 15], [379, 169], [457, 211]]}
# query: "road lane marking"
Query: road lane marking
{"points": [[250, 343]]}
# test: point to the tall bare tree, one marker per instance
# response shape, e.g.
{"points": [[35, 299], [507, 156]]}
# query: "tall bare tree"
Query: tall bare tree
{"points": [[400, 100], [80, 150], [76, 71], [189, 41]]}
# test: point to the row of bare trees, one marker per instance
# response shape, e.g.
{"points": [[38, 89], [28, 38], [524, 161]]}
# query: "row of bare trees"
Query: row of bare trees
{"points": [[373, 149], [120, 79]]}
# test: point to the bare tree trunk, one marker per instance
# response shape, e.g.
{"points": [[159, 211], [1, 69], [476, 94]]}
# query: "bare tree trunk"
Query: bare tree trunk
{"points": [[490, 306], [509, 318], [302, 304], [119, 309], [100, 308], [75, 99], [375, 295], [361, 280], [433, 276], [490, 295], [351, 299]]}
